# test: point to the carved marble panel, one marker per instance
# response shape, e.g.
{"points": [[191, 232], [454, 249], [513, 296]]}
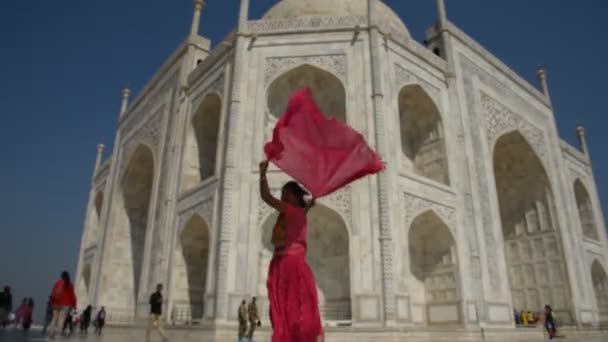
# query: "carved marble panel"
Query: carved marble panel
{"points": [[414, 206], [203, 209], [498, 119], [148, 135], [335, 64], [404, 77], [307, 23], [340, 201]]}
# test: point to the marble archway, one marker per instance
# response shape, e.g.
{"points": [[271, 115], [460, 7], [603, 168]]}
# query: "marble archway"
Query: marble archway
{"points": [[434, 266], [190, 270], [95, 219], [422, 134], [200, 153], [535, 260], [328, 257], [136, 189], [600, 287], [585, 211], [327, 89]]}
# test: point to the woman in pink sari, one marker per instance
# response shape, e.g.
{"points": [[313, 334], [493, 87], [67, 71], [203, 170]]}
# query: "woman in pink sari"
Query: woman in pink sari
{"points": [[294, 306]]}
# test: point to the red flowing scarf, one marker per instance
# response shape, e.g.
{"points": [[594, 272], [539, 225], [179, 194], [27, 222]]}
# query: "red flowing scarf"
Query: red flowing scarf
{"points": [[321, 153]]}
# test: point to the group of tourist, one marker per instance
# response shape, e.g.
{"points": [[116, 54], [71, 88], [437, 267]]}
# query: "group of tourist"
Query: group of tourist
{"points": [[525, 318], [21, 317], [248, 314]]}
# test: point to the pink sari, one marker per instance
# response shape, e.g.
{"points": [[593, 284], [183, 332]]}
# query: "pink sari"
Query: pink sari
{"points": [[294, 306]]}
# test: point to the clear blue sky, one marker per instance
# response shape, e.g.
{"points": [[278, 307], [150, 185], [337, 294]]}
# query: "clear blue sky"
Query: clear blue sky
{"points": [[63, 64]]}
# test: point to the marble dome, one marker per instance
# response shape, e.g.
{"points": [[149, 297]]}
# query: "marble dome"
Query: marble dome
{"points": [[289, 9]]}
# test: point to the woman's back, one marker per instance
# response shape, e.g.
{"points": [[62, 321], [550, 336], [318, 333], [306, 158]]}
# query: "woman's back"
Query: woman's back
{"points": [[290, 229]]}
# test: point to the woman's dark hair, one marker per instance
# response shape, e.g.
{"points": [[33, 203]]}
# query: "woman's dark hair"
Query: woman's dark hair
{"points": [[548, 307], [295, 189], [66, 278]]}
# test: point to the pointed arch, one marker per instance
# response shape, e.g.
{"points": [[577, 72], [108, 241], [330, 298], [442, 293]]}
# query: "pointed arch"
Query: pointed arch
{"points": [[585, 211], [191, 268], [600, 287], [328, 256], [202, 139], [327, 89], [434, 266], [422, 134], [94, 220], [536, 266], [136, 190]]}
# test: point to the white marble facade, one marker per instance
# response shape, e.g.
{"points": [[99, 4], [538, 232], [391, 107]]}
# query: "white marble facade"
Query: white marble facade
{"points": [[482, 208]]}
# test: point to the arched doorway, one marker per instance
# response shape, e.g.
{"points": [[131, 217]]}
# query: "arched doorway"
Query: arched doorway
{"points": [[600, 287], [422, 134], [136, 186], [95, 219], [535, 260], [191, 258], [86, 277], [328, 257], [433, 263], [585, 211], [327, 90], [200, 154]]}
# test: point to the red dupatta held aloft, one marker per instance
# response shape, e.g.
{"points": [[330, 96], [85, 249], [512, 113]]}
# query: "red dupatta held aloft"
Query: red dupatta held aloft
{"points": [[321, 153]]}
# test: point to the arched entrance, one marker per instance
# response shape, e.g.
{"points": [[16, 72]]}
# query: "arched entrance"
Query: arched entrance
{"points": [[327, 90], [95, 219], [191, 258], [200, 154], [328, 256], [585, 211], [535, 260], [422, 134], [433, 263], [136, 189], [600, 287]]}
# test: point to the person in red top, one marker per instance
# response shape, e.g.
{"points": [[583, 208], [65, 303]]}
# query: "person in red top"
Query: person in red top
{"points": [[63, 300], [292, 292]]}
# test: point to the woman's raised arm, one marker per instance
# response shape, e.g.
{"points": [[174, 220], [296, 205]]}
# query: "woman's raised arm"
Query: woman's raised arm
{"points": [[265, 189]]}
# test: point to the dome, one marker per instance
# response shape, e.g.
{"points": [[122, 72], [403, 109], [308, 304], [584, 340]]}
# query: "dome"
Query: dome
{"points": [[289, 9]]}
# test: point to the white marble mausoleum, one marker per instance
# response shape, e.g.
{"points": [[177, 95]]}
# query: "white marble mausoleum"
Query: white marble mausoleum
{"points": [[483, 208]]}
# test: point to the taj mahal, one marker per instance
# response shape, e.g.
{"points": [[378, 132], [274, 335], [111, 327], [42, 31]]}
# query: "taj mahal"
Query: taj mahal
{"points": [[482, 210]]}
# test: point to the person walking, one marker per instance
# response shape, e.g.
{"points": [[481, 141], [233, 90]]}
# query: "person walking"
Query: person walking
{"points": [[550, 325], [6, 306], [242, 320], [254, 320], [26, 318], [47, 317], [86, 320], [292, 292], [20, 311], [156, 311], [63, 299], [100, 320], [68, 324]]}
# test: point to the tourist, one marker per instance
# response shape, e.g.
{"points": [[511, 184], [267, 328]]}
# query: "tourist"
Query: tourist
{"points": [[156, 311], [292, 291], [550, 322], [62, 300], [254, 320], [68, 324], [100, 320], [26, 315], [6, 306], [20, 311], [242, 320], [85, 320], [47, 317], [517, 316]]}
